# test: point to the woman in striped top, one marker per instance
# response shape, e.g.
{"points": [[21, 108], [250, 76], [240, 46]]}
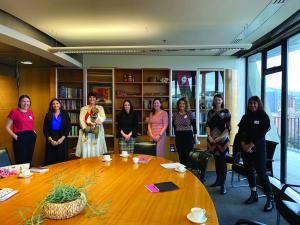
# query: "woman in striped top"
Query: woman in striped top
{"points": [[184, 124]]}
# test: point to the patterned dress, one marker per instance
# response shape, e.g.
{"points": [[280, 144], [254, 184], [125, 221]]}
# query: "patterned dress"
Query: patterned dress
{"points": [[157, 122], [218, 121], [90, 146]]}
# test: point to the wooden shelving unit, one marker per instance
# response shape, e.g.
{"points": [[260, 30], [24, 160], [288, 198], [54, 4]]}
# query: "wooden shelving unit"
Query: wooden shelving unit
{"points": [[69, 83], [100, 81]]}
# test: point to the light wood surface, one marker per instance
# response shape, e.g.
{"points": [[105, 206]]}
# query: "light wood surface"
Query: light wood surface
{"points": [[122, 183], [8, 101]]}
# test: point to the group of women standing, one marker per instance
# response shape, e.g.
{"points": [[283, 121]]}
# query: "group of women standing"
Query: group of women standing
{"points": [[252, 130]]}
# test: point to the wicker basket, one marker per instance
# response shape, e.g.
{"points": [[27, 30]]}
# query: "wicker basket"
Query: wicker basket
{"points": [[60, 211]]}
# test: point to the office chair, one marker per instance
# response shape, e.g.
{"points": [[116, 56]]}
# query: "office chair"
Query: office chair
{"points": [[198, 161], [289, 210], [237, 162], [4, 157], [146, 148], [248, 222]]}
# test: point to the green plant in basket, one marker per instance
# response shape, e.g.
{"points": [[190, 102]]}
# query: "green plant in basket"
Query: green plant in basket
{"points": [[64, 201]]}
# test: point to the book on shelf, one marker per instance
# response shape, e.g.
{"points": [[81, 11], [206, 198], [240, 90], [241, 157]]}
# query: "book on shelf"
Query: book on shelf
{"points": [[6, 193], [39, 169], [162, 187]]}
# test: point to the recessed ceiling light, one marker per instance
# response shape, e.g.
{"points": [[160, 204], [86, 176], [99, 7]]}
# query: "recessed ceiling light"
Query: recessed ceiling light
{"points": [[26, 62]]}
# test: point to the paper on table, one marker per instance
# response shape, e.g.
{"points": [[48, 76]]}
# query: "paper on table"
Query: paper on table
{"points": [[6, 193], [171, 165]]}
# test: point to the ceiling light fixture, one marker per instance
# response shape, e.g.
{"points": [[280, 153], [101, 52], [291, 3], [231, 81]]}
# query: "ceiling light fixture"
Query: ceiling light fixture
{"points": [[26, 62], [146, 48]]}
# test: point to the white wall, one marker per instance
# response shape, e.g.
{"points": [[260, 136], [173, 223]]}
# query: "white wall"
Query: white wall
{"points": [[172, 62]]}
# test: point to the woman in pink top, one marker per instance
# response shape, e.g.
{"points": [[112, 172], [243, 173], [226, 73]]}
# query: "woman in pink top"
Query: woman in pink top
{"points": [[20, 125], [158, 123]]}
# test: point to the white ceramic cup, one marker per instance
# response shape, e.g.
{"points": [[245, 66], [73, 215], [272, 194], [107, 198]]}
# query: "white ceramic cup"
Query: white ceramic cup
{"points": [[198, 213], [135, 159], [106, 157], [25, 173], [181, 168], [124, 153]]}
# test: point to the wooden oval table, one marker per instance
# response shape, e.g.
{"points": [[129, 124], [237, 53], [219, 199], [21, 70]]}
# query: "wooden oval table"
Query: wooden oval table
{"points": [[121, 182]]}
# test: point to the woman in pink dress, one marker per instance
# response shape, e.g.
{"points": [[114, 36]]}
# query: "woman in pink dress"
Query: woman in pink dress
{"points": [[157, 126]]}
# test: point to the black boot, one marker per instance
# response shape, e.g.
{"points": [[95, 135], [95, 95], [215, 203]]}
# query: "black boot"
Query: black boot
{"points": [[223, 190], [269, 204], [253, 198]]}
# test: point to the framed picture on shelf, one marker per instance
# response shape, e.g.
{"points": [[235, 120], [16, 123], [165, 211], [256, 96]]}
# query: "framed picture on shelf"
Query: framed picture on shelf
{"points": [[104, 94]]}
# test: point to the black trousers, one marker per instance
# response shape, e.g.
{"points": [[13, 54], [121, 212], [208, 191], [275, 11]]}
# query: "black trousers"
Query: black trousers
{"points": [[221, 166], [24, 146], [255, 163], [184, 141]]}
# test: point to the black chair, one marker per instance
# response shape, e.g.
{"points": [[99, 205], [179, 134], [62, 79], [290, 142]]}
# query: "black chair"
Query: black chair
{"points": [[198, 161], [238, 166], [248, 222], [289, 210], [4, 157], [146, 148]]}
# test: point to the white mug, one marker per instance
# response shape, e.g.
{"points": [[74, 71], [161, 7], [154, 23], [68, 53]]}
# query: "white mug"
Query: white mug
{"points": [[106, 157], [25, 173], [135, 159], [124, 153], [198, 213]]}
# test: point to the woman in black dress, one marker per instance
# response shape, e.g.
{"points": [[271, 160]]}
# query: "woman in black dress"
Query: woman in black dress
{"points": [[252, 131], [57, 126], [217, 129]]}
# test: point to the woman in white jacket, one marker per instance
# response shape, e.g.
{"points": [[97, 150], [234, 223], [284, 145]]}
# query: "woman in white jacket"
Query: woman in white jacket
{"points": [[88, 145]]}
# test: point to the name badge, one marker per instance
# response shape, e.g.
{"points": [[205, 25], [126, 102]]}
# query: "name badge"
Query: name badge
{"points": [[185, 116], [256, 121], [30, 117]]}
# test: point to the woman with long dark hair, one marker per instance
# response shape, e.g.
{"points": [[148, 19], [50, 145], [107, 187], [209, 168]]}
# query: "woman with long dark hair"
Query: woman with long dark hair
{"points": [[252, 131], [217, 128], [157, 126], [20, 125], [127, 127], [57, 126]]}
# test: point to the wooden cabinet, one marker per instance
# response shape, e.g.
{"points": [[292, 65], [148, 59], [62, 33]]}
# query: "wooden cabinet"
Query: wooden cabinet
{"points": [[70, 92], [100, 81]]}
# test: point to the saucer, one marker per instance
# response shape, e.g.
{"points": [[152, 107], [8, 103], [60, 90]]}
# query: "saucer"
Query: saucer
{"points": [[180, 171], [103, 160], [190, 218], [125, 156], [22, 176]]}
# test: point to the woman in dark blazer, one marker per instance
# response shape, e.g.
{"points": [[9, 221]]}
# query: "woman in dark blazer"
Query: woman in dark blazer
{"points": [[252, 131], [57, 126]]}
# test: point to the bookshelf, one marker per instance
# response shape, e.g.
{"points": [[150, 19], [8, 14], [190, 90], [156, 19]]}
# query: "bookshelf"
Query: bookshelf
{"points": [[100, 81], [141, 86], [69, 83], [155, 85]]}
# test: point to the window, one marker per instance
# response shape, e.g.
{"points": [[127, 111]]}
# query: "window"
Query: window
{"points": [[293, 115], [254, 75], [272, 104], [274, 57]]}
